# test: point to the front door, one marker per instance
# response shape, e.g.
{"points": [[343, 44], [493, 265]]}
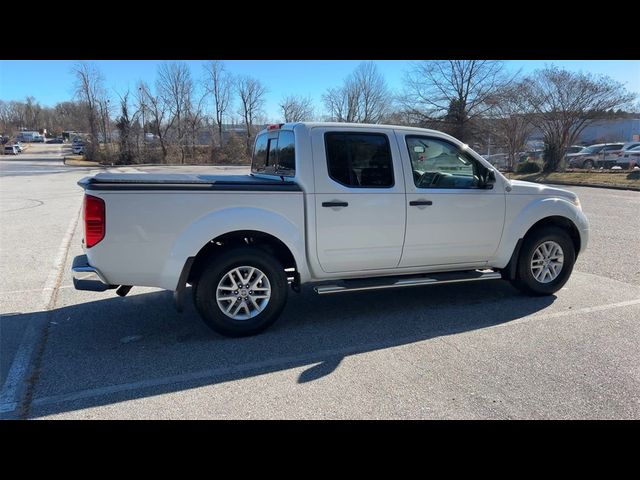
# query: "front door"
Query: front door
{"points": [[360, 199], [451, 217]]}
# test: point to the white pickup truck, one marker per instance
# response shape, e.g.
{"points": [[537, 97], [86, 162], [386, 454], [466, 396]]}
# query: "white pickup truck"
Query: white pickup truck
{"points": [[346, 207]]}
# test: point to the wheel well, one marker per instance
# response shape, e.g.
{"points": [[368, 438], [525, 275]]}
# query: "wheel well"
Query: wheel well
{"points": [[562, 222], [264, 241]]}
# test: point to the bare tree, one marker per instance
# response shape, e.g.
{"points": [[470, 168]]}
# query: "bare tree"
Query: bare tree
{"points": [[511, 119], [251, 93], [124, 124], [564, 103], [90, 90], [156, 111], [219, 85], [452, 92], [195, 119], [175, 90], [33, 113], [296, 108], [363, 97]]}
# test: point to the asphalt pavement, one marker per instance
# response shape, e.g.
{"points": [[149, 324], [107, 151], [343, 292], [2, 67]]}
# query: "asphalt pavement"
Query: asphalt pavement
{"points": [[451, 351]]}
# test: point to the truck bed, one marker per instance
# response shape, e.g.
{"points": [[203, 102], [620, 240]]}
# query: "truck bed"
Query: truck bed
{"points": [[183, 181]]}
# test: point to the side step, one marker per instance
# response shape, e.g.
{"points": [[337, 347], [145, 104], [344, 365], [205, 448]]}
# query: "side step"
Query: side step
{"points": [[380, 283]]}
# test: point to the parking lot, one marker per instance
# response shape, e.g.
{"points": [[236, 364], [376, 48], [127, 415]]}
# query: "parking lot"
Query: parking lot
{"points": [[451, 351]]}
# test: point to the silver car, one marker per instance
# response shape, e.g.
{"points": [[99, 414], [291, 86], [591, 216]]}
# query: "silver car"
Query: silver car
{"points": [[630, 157], [10, 150], [599, 155]]}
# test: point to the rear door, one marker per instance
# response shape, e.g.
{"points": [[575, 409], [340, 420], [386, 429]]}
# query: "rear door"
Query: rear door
{"points": [[359, 200]]}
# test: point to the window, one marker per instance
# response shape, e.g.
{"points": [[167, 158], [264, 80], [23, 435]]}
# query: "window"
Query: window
{"points": [[286, 153], [439, 164], [275, 154], [260, 152], [359, 160]]}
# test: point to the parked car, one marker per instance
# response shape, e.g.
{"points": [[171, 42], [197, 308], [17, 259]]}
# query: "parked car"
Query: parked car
{"points": [[10, 150], [38, 139], [346, 207], [78, 149], [574, 149], [630, 157], [56, 140], [600, 155], [19, 147], [532, 156], [498, 160]]}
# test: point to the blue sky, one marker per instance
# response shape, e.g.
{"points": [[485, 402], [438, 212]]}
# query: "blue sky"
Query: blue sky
{"points": [[51, 81]]}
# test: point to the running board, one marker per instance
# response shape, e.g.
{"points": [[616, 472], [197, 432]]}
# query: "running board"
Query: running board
{"points": [[413, 281]]}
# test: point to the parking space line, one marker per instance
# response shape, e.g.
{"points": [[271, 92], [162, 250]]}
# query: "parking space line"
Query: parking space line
{"points": [[31, 290], [12, 388], [293, 360]]}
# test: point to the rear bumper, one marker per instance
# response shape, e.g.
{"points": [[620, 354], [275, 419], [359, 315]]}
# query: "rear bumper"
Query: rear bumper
{"points": [[86, 277]]}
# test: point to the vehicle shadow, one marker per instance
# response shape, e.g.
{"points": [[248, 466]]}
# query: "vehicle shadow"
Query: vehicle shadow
{"points": [[118, 349]]}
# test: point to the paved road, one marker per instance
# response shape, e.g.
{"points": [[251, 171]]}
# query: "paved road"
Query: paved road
{"points": [[451, 351], [37, 159]]}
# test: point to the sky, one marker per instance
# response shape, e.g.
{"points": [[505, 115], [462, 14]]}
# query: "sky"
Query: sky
{"points": [[51, 81]]}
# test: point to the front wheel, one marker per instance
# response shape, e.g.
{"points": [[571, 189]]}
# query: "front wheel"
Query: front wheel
{"points": [[588, 164], [546, 261], [241, 292]]}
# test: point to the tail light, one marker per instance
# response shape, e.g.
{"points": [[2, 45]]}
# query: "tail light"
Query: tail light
{"points": [[94, 220]]}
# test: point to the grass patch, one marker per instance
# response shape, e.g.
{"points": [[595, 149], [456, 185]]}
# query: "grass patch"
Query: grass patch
{"points": [[623, 179], [79, 161]]}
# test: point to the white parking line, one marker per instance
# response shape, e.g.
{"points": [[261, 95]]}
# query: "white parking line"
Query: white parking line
{"points": [[294, 360], [9, 395], [31, 290]]}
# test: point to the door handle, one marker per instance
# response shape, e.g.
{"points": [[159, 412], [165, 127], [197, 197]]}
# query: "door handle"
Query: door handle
{"points": [[420, 203], [335, 204]]}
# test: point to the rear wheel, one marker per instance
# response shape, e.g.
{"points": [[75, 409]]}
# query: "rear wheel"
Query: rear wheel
{"points": [[546, 261], [241, 292]]}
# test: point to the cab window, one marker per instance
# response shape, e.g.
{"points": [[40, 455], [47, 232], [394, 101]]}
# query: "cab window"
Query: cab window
{"points": [[440, 164], [359, 160]]}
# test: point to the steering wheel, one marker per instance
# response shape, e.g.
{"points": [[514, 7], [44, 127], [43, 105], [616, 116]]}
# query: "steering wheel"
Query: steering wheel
{"points": [[435, 179], [429, 179]]}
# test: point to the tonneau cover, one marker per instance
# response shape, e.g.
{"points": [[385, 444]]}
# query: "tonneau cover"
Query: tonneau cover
{"points": [[183, 181]]}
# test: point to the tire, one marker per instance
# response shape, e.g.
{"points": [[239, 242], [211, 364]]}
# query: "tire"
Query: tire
{"points": [[525, 279], [588, 164], [215, 275]]}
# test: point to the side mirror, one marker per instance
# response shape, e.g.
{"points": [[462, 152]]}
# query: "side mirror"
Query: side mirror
{"points": [[490, 180]]}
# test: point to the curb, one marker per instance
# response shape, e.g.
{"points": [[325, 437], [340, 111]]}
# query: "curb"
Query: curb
{"points": [[97, 165]]}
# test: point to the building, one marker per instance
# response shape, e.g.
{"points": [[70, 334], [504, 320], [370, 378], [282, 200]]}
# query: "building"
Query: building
{"points": [[605, 131], [613, 130]]}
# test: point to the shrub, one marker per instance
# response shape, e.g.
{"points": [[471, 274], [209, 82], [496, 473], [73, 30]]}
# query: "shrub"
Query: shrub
{"points": [[528, 167]]}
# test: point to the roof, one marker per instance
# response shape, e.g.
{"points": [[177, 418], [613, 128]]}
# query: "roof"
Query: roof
{"points": [[368, 125]]}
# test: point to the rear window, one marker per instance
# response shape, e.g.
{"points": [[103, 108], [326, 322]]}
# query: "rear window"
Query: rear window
{"points": [[275, 154]]}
